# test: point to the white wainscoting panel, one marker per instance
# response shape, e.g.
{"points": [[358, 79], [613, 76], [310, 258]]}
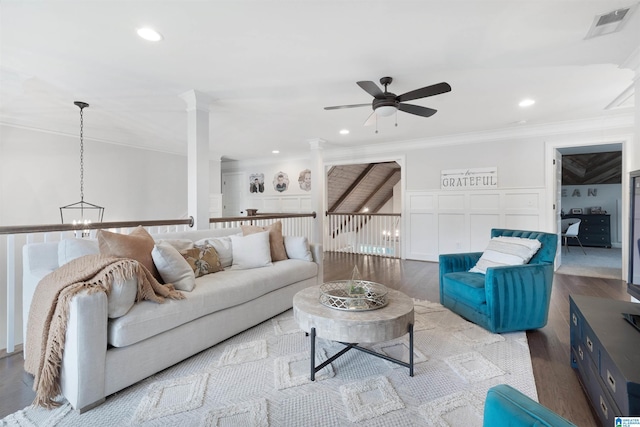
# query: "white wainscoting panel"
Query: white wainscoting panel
{"points": [[451, 202], [484, 202], [452, 234], [446, 222], [423, 243], [280, 204], [478, 226], [422, 202]]}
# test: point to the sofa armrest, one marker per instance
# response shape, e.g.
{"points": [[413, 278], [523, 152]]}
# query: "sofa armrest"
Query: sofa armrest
{"points": [[452, 263], [82, 374], [318, 257], [38, 260], [519, 295], [507, 406]]}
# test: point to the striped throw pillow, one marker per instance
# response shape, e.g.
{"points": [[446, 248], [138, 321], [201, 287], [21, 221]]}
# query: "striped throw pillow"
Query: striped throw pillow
{"points": [[504, 250]]}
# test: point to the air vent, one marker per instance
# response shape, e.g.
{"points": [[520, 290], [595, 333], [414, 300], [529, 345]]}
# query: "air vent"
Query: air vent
{"points": [[609, 22]]}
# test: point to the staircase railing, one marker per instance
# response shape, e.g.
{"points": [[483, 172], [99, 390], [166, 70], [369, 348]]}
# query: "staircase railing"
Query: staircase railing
{"points": [[13, 238], [364, 233]]}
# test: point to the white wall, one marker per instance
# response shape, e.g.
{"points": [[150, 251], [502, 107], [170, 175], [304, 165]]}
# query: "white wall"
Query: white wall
{"points": [[293, 200], [41, 171], [606, 196]]}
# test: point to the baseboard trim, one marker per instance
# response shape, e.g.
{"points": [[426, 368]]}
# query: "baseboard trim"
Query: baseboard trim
{"points": [[3, 352]]}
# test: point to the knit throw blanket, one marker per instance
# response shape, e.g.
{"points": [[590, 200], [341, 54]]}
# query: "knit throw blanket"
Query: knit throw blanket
{"points": [[49, 312]]}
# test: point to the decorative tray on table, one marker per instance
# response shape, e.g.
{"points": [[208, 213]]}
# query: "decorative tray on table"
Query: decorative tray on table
{"points": [[353, 295]]}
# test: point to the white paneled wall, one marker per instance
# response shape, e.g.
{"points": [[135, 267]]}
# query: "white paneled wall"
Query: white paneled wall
{"points": [[447, 222], [280, 204]]}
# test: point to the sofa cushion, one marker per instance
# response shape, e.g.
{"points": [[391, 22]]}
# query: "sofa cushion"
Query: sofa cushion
{"points": [[173, 267], [276, 240], [70, 249], [212, 293], [469, 287], [136, 245], [251, 251], [178, 244], [506, 250], [203, 259]]}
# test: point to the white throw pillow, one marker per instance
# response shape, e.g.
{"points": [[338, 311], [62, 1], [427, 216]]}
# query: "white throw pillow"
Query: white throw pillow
{"points": [[297, 247], [172, 266], [222, 245], [506, 250], [251, 251], [70, 249]]}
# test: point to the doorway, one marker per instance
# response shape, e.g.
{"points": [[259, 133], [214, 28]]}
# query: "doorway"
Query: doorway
{"points": [[591, 188]]}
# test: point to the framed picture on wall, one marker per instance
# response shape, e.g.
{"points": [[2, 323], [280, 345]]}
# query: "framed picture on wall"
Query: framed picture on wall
{"points": [[281, 182], [304, 180], [256, 183]]}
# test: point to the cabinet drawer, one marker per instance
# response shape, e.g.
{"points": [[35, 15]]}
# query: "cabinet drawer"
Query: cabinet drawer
{"points": [[603, 403], [594, 231], [624, 393], [591, 345]]}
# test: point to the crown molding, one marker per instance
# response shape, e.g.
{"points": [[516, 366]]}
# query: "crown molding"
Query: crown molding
{"points": [[622, 120]]}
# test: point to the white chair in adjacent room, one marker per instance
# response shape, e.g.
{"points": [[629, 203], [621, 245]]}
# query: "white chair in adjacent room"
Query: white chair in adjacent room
{"points": [[570, 228]]}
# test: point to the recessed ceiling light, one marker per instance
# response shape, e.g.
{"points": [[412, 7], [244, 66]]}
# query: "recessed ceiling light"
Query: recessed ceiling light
{"points": [[344, 132], [149, 34], [276, 151], [527, 102]]}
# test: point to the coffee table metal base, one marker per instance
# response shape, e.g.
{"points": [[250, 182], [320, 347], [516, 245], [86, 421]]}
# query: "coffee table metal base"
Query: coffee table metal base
{"points": [[349, 346]]}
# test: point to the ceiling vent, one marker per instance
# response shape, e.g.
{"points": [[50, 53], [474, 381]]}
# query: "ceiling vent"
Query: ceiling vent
{"points": [[609, 22]]}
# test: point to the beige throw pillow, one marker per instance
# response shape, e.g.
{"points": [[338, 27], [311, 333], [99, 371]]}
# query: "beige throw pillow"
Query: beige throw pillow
{"points": [[276, 241], [203, 260], [136, 245]]}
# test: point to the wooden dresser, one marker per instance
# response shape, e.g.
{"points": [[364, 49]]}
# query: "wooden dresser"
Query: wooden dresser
{"points": [[605, 352]]}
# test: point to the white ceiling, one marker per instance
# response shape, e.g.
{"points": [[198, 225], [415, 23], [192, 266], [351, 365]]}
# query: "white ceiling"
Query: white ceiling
{"points": [[271, 66]]}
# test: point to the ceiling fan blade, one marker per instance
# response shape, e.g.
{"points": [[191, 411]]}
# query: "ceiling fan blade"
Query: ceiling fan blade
{"points": [[436, 89], [371, 119], [417, 110], [372, 89], [339, 107]]}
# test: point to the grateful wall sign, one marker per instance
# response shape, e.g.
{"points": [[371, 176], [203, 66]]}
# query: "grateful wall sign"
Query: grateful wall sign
{"points": [[464, 179]]}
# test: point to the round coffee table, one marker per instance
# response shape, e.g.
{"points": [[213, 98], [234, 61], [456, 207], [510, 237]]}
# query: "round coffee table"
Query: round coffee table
{"points": [[351, 327]]}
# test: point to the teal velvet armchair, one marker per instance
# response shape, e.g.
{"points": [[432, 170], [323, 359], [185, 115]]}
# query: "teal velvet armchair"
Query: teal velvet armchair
{"points": [[507, 407], [506, 298]]}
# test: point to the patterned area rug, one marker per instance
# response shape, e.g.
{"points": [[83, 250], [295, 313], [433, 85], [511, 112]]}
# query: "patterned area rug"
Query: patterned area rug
{"points": [[261, 378]]}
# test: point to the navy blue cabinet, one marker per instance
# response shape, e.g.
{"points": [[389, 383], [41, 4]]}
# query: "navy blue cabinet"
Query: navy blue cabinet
{"points": [[595, 230], [605, 352]]}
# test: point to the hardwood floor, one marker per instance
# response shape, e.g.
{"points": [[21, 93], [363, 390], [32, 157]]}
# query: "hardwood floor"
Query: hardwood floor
{"points": [[557, 384]]}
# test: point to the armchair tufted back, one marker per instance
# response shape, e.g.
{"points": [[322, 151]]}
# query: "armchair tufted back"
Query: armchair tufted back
{"points": [[549, 241]]}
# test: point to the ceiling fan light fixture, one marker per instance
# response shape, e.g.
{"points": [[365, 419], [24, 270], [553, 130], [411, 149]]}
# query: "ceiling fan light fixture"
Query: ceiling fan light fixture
{"points": [[386, 110]]}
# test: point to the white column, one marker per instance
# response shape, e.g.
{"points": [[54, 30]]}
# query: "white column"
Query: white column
{"points": [[198, 157], [318, 187]]}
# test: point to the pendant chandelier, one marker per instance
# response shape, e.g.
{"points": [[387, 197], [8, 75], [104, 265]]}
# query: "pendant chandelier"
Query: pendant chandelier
{"points": [[81, 212]]}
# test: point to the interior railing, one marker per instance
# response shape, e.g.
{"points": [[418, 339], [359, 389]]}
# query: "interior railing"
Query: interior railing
{"points": [[364, 233], [13, 238]]}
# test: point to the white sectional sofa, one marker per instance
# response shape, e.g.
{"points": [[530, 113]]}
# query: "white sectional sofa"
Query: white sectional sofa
{"points": [[107, 350]]}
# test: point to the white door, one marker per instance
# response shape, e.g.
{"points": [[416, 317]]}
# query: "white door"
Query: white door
{"points": [[558, 203], [232, 193]]}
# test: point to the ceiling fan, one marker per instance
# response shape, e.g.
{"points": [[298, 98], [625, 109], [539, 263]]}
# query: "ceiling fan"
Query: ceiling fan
{"points": [[386, 103]]}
